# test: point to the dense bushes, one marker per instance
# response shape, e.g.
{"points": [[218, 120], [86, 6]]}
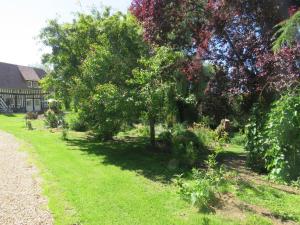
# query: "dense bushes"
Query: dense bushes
{"points": [[274, 138], [283, 137], [77, 123], [255, 139], [186, 147], [189, 146]]}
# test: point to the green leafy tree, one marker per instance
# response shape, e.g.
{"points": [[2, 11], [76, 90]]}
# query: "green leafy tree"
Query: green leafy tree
{"points": [[155, 82], [92, 60]]}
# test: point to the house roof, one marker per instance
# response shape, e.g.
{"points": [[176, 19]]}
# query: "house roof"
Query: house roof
{"points": [[15, 76]]}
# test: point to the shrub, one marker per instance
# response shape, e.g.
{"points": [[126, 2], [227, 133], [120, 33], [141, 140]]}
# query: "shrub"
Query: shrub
{"points": [[238, 139], [205, 186], [53, 119], [166, 138], [29, 125], [31, 116], [204, 134], [283, 138], [187, 148], [255, 139], [77, 123], [273, 139]]}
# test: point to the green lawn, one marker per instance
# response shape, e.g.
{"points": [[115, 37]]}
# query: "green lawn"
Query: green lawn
{"points": [[120, 182], [114, 183]]}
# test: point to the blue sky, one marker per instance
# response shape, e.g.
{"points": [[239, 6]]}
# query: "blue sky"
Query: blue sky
{"points": [[22, 20]]}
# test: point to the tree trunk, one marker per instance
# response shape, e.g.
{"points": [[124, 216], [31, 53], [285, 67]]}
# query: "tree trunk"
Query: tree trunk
{"points": [[152, 132]]}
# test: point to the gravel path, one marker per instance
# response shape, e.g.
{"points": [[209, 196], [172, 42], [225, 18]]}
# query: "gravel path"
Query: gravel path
{"points": [[21, 202]]}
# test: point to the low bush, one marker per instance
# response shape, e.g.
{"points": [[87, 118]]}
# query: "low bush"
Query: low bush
{"points": [[187, 148], [53, 119], [238, 139], [77, 123], [204, 188], [204, 133], [165, 137]]}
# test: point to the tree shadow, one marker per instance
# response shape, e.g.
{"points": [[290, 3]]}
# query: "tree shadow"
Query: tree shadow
{"points": [[8, 114], [132, 154]]}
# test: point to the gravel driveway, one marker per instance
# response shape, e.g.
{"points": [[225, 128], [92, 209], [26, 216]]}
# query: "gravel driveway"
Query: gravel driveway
{"points": [[21, 202]]}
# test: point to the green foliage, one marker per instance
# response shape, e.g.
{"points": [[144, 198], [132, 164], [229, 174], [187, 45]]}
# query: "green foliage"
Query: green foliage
{"points": [[283, 137], [29, 125], [53, 119], [238, 139], [155, 81], [205, 134], [187, 148], [205, 186], [77, 123], [287, 32], [255, 144], [273, 140], [166, 138], [106, 111], [94, 54]]}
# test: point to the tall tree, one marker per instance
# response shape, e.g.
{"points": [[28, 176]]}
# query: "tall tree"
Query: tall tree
{"points": [[230, 34], [92, 60]]}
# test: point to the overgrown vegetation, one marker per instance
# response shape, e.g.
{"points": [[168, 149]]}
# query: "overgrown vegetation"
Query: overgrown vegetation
{"points": [[193, 77], [274, 141], [205, 187]]}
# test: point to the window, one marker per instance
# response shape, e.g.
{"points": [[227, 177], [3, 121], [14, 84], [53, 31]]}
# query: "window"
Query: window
{"points": [[37, 102], [29, 83], [35, 84], [19, 101]]}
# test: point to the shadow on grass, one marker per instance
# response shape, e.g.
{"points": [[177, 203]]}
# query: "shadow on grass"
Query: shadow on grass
{"points": [[133, 154], [8, 114]]}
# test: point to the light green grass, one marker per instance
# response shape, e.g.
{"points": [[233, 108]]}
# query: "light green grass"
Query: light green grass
{"points": [[124, 182], [283, 205], [114, 183]]}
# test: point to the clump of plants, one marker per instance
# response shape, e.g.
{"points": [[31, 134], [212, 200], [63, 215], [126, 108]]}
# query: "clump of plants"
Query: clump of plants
{"points": [[28, 117], [273, 139], [205, 187], [29, 124], [255, 136], [283, 138], [54, 116], [77, 123], [238, 139]]}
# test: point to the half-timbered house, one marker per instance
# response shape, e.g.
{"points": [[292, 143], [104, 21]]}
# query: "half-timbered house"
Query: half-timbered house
{"points": [[20, 90]]}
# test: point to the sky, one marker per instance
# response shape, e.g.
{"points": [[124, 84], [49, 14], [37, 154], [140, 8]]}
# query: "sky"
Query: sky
{"points": [[22, 20]]}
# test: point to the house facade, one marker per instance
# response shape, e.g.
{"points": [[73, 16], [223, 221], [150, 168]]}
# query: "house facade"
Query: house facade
{"points": [[19, 89]]}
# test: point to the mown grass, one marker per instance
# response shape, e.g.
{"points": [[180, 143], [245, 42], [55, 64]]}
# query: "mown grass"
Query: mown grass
{"points": [[121, 182], [88, 182], [284, 206]]}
